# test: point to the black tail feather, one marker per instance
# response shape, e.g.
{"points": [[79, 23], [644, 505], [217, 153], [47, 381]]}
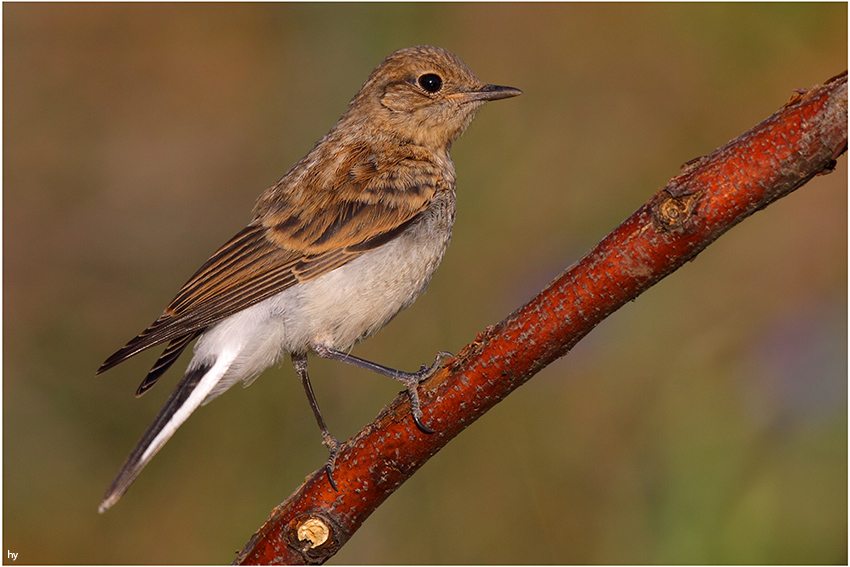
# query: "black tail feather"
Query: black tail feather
{"points": [[168, 357], [134, 463]]}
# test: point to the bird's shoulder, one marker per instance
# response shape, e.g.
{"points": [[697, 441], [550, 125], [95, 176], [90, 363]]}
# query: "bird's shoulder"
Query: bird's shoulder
{"points": [[343, 194]]}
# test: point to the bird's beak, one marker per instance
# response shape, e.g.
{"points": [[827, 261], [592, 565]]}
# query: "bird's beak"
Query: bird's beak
{"points": [[487, 92]]}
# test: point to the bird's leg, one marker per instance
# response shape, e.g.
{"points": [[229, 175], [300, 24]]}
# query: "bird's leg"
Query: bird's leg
{"points": [[299, 361], [410, 379]]}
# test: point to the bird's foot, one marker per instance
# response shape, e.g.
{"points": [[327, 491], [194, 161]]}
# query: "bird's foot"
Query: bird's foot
{"points": [[333, 446], [412, 381]]}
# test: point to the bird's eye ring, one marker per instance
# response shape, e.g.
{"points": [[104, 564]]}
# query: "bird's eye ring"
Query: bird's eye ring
{"points": [[430, 82]]}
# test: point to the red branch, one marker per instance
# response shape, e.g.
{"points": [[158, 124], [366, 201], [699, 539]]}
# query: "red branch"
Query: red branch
{"points": [[711, 195]]}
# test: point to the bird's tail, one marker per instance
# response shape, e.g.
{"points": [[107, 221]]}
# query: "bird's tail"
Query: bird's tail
{"points": [[190, 393]]}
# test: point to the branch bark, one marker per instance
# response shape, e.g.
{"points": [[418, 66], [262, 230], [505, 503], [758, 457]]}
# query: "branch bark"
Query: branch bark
{"points": [[712, 194]]}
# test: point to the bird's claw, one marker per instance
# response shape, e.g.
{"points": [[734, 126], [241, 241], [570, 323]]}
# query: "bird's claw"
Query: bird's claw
{"points": [[417, 419], [333, 446]]}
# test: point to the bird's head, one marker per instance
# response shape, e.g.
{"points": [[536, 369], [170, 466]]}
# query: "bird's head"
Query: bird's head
{"points": [[423, 94]]}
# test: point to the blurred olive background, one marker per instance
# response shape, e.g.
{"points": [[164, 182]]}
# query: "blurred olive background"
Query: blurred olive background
{"points": [[705, 422]]}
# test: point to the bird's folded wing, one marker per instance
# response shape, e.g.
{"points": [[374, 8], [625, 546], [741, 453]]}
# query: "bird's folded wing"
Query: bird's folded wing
{"points": [[273, 253]]}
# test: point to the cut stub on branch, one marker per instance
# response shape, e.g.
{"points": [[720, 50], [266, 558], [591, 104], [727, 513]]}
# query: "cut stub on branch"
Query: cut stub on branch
{"points": [[712, 194]]}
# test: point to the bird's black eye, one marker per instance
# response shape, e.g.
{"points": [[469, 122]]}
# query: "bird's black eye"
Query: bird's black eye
{"points": [[431, 82]]}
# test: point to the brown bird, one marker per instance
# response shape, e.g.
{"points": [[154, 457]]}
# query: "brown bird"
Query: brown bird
{"points": [[349, 237]]}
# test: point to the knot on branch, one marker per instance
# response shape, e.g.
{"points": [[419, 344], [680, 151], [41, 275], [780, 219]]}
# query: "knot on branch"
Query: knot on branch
{"points": [[672, 213], [314, 537]]}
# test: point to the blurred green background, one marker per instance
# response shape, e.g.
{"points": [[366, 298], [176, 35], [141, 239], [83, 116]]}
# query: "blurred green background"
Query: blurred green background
{"points": [[705, 422]]}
